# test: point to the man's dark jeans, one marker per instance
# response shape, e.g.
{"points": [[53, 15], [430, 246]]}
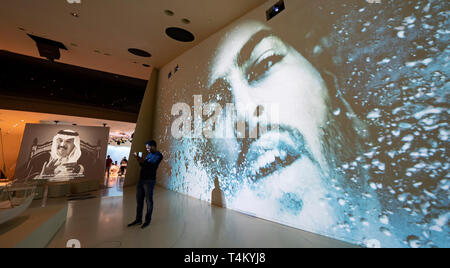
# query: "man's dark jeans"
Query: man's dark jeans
{"points": [[145, 191]]}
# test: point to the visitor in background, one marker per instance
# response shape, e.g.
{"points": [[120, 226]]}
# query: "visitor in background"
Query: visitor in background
{"points": [[123, 166], [114, 170], [109, 162]]}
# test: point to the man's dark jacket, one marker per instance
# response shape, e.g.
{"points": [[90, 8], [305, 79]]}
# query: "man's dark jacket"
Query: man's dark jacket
{"points": [[150, 165]]}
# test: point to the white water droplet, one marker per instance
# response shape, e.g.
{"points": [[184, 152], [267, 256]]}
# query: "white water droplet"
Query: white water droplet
{"points": [[372, 243], [384, 219]]}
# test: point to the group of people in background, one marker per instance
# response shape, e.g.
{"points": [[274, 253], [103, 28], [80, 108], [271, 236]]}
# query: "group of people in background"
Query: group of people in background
{"points": [[113, 169]]}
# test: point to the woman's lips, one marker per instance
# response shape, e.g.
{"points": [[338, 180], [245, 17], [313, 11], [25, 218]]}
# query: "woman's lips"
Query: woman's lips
{"points": [[273, 151]]}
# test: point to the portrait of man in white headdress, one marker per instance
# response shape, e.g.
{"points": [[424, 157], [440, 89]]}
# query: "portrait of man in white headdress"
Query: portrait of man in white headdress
{"points": [[64, 155]]}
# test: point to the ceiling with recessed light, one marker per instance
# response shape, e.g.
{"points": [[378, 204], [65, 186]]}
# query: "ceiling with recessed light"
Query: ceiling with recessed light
{"points": [[13, 122], [99, 33]]}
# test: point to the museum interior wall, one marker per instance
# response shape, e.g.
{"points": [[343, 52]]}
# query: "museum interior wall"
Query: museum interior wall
{"points": [[144, 127], [330, 118]]}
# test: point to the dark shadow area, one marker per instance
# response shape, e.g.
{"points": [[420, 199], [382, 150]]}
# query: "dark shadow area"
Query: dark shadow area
{"points": [[12, 224], [217, 196], [24, 76]]}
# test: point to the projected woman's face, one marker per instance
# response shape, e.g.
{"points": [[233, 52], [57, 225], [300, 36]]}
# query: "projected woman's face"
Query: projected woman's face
{"points": [[285, 170]]}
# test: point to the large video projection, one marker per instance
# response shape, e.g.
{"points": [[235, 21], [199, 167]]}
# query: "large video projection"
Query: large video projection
{"points": [[332, 118]]}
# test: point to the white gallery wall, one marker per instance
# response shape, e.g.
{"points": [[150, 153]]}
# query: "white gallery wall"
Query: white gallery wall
{"points": [[331, 117]]}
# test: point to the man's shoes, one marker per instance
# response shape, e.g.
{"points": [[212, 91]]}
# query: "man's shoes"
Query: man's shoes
{"points": [[147, 223], [135, 223]]}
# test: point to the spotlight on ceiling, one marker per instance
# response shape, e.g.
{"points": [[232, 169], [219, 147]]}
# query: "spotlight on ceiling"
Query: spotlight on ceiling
{"points": [[275, 9], [169, 12], [185, 21], [48, 48], [180, 34], [139, 52]]}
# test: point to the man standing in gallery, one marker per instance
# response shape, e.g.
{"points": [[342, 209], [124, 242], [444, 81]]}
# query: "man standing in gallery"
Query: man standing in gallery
{"points": [[109, 163], [146, 183]]}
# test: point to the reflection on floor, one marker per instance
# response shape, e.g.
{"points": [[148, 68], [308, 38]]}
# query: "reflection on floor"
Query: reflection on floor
{"points": [[113, 185], [178, 221]]}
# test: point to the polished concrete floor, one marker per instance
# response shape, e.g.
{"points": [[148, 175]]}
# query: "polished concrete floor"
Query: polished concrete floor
{"points": [[178, 221]]}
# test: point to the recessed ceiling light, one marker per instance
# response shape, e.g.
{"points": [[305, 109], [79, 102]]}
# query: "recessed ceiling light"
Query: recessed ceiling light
{"points": [[185, 21], [169, 12], [74, 14], [179, 34], [145, 65], [139, 52]]}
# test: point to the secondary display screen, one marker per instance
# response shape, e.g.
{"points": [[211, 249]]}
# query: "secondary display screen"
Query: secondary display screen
{"points": [[332, 117], [62, 153]]}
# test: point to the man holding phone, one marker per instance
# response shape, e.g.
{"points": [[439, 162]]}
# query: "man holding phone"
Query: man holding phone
{"points": [[146, 183]]}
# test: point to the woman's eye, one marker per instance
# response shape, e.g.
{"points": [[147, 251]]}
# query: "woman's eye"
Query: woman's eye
{"points": [[260, 68]]}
